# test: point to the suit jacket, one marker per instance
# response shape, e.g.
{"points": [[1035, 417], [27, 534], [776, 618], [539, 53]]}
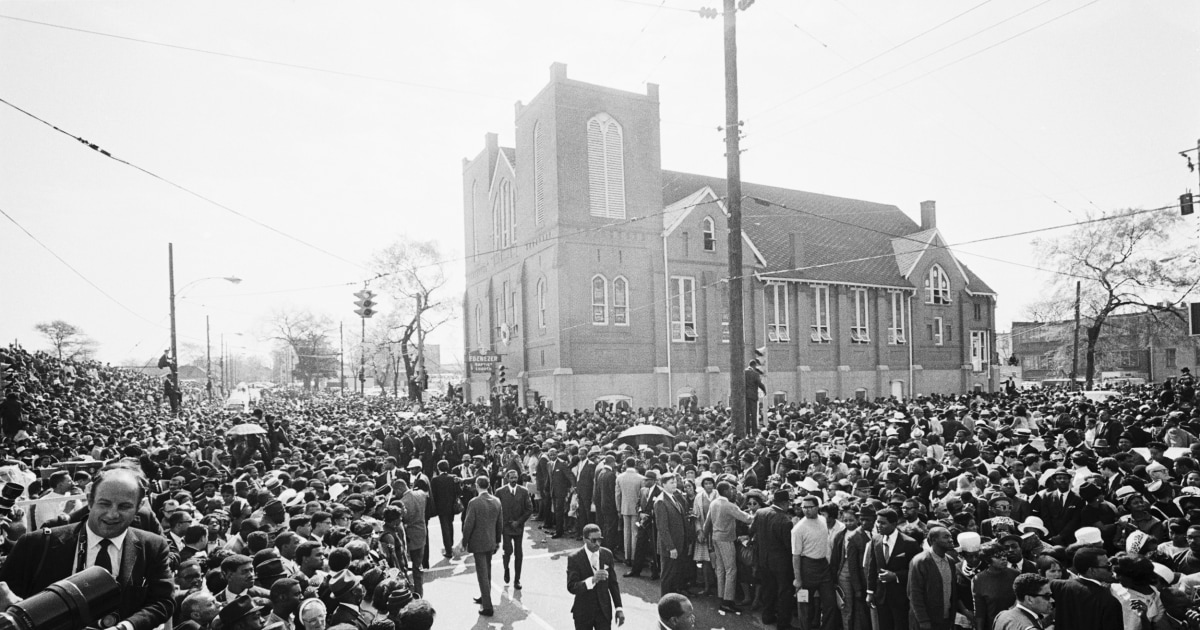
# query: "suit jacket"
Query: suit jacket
{"points": [[672, 526], [604, 494], [543, 474], [345, 614], [561, 479], [772, 531], [445, 493], [585, 485], [45, 556], [515, 505], [926, 595], [629, 483], [1061, 518], [603, 598], [1083, 605], [482, 526], [852, 552], [1016, 619], [891, 593]]}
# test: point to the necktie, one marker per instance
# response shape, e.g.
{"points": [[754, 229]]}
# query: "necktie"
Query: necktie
{"points": [[103, 560], [887, 551]]}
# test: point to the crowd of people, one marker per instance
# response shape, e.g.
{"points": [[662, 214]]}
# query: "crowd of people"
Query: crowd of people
{"points": [[1010, 510]]}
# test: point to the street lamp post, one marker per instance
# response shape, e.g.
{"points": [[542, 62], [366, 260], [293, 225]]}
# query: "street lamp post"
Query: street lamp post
{"points": [[174, 351]]}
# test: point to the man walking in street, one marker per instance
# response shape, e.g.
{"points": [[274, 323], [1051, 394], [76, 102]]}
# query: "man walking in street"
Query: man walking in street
{"points": [[592, 579], [672, 534], [482, 530], [516, 507], [562, 480], [629, 484]]}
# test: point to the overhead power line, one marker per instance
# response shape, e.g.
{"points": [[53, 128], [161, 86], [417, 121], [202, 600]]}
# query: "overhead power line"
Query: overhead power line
{"points": [[96, 148]]}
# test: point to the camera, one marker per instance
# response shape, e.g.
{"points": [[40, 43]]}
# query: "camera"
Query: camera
{"points": [[69, 604]]}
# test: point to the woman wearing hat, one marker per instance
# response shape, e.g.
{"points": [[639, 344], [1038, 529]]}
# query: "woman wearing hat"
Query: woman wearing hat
{"points": [[992, 587]]}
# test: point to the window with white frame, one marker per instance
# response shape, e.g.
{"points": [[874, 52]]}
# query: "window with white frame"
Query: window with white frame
{"points": [[710, 235], [683, 309], [937, 286], [860, 331], [539, 173], [821, 331], [541, 302], [935, 331], [896, 324], [620, 294], [606, 168], [498, 315], [981, 351], [478, 325], [778, 316], [512, 309], [599, 300]]}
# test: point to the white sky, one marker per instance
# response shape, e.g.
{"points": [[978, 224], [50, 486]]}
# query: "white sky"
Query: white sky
{"points": [[1014, 115]]}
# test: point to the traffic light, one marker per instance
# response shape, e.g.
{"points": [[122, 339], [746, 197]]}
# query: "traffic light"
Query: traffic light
{"points": [[708, 13], [1185, 203], [365, 303], [502, 376]]}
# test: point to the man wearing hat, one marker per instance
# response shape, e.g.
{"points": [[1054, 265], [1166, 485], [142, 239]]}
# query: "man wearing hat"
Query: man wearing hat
{"points": [[347, 590], [242, 614], [1058, 507]]}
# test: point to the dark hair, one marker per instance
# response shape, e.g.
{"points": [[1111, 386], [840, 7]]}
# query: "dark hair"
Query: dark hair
{"points": [[671, 605], [417, 615], [234, 562], [281, 587], [829, 509], [482, 482], [1087, 558], [257, 541], [339, 558], [1028, 584], [888, 514], [120, 469], [305, 549], [194, 534], [990, 550], [1133, 567]]}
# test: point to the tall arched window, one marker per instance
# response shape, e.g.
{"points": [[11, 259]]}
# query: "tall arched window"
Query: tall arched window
{"points": [[710, 235], [937, 286], [599, 300], [539, 174], [478, 326], [621, 301], [606, 168], [507, 213], [541, 302]]}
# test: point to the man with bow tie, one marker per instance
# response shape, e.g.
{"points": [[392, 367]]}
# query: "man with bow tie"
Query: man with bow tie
{"points": [[592, 578]]}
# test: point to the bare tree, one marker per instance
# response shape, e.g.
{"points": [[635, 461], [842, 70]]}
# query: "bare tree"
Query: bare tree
{"points": [[411, 274], [307, 334], [68, 340], [1124, 263]]}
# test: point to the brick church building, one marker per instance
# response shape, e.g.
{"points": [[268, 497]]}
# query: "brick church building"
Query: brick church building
{"points": [[597, 275]]}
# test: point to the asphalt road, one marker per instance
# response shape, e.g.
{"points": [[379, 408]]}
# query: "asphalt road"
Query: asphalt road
{"points": [[543, 603]]}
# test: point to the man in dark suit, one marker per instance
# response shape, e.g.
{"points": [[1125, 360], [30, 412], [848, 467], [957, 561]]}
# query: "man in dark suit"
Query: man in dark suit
{"points": [[1059, 508], [754, 384], [1084, 602], [516, 507], [542, 475], [561, 482], [445, 495], [672, 534], [887, 571], [138, 559], [604, 497], [584, 487], [846, 566], [772, 531], [482, 530], [931, 575], [1035, 601], [592, 579]]}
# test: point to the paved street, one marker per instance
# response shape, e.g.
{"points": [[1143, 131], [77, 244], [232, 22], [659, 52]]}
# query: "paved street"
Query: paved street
{"points": [[544, 603]]}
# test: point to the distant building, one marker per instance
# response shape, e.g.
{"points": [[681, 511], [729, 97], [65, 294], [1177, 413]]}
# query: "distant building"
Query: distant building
{"points": [[597, 275], [1132, 345]]}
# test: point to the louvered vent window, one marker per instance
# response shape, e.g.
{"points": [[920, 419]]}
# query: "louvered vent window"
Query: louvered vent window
{"points": [[539, 174], [606, 168]]}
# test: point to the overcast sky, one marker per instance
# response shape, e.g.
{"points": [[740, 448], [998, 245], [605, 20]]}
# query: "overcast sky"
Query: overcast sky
{"points": [[343, 125]]}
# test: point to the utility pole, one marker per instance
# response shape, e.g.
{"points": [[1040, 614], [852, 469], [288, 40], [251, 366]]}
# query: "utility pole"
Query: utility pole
{"points": [[1075, 349], [174, 352], [208, 358], [342, 356], [733, 202]]}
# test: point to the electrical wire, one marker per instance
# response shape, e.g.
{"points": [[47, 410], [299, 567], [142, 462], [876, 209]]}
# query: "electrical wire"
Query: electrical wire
{"points": [[189, 191], [76, 271]]}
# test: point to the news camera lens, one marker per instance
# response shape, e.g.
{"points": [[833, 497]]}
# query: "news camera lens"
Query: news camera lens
{"points": [[72, 603]]}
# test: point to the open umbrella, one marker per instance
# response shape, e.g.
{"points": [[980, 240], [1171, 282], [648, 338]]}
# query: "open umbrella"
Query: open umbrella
{"points": [[646, 434], [248, 428]]}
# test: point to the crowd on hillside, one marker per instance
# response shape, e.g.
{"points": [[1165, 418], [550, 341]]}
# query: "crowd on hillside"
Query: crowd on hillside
{"points": [[936, 512]]}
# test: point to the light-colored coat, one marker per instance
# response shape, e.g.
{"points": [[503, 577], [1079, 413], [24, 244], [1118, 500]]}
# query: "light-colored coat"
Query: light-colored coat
{"points": [[629, 483], [483, 525]]}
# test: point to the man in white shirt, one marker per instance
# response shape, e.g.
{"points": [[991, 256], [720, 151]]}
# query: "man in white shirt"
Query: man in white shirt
{"points": [[592, 578], [810, 564], [60, 485]]}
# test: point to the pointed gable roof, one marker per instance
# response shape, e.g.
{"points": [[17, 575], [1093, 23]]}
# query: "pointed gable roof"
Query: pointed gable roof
{"points": [[910, 248], [845, 241]]}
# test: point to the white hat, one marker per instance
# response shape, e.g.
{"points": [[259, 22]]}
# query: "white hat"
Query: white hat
{"points": [[969, 542], [1034, 522], [1088, 536], [810, 484], [1165, 572], [1135, 541]]}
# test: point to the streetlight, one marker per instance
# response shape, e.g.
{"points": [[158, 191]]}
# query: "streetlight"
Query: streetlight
{"points": [[174, 350]]}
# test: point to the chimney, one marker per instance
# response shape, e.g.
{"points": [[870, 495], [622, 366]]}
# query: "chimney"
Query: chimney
{"points": [[928, 215], [558, 71]]}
